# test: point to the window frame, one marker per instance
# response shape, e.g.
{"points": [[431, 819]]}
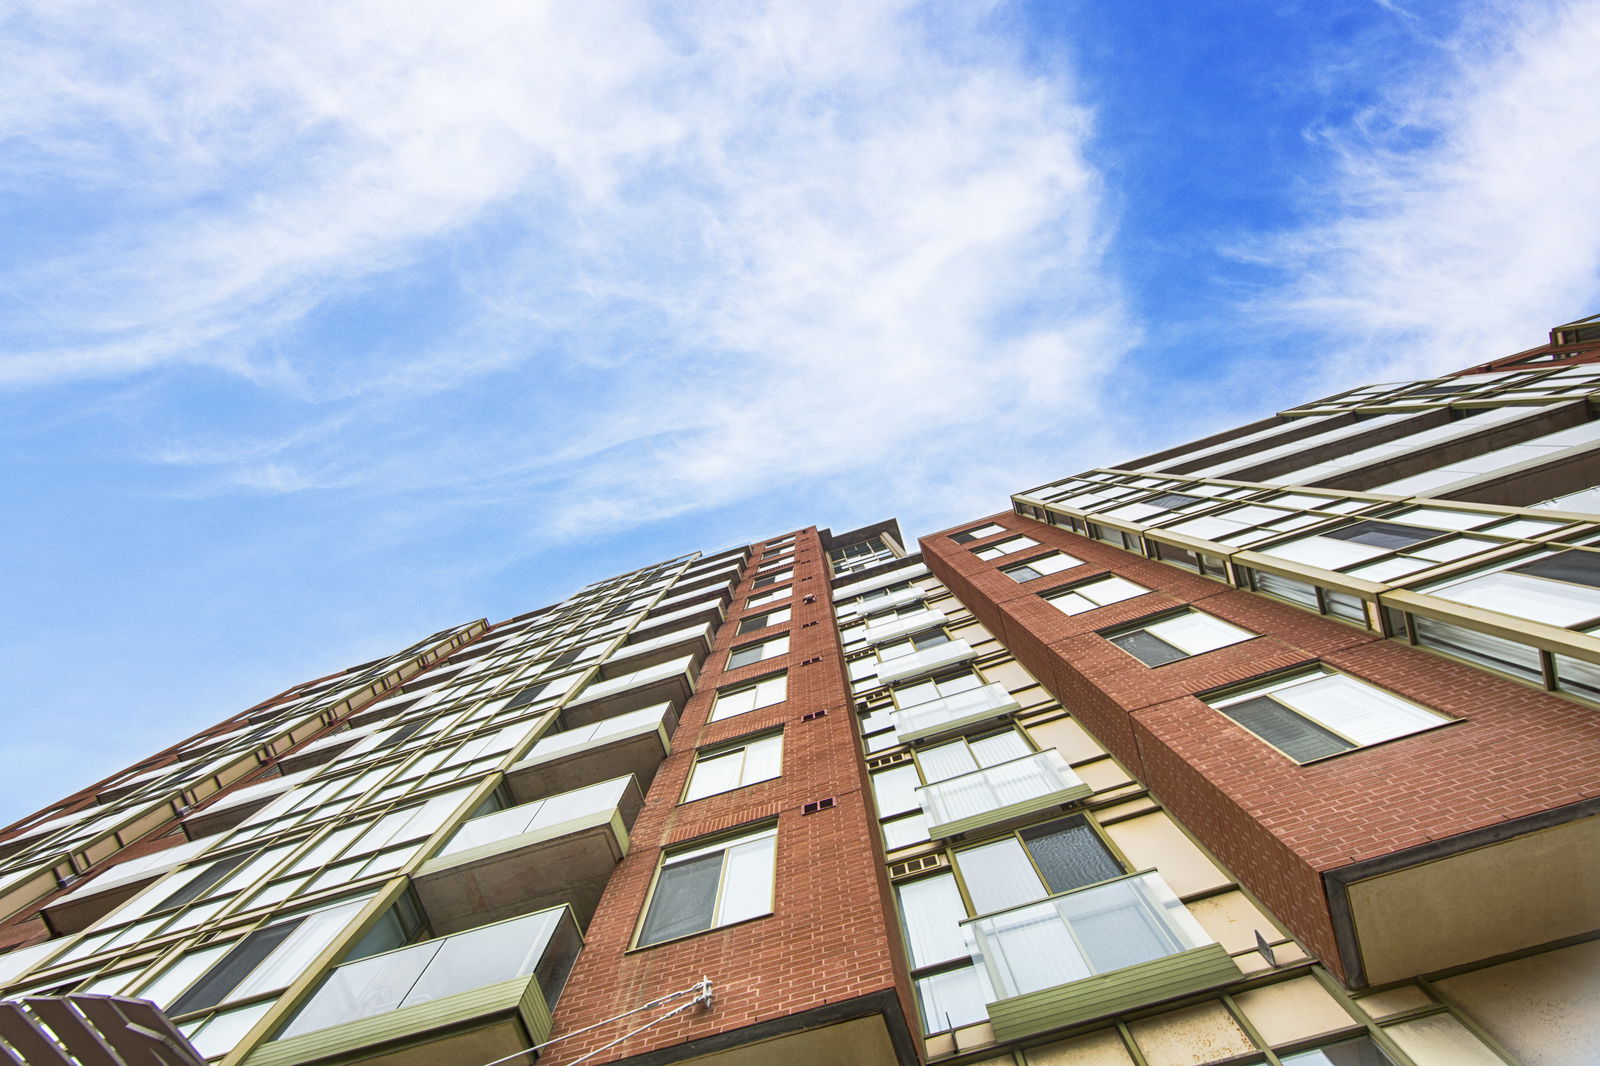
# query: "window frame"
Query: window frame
{"points": [[696, 849], [1012, 570], [765, 619], [1263, 687], [721, 751], [1144, 625], [1051, 595], [760, 646], [749, 685]]}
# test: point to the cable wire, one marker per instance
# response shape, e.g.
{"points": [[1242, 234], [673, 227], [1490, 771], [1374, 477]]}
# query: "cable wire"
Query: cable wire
{"points": [[701, 990]]}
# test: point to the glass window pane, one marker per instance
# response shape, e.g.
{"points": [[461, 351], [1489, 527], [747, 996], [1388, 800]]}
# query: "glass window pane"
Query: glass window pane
{"points": [[931, 910], [684, 899], [1295, 736], [747, 881], [1148, 648], [718, 773], [999, 875], [895, 790], [952, 999], [1070, 854]]}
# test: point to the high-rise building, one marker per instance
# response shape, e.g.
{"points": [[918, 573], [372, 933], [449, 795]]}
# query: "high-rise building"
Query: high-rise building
{"points": [[1281, 746]]}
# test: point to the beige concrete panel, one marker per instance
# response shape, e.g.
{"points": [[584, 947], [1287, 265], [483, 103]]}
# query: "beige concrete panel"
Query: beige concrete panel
{"points": [[1068, 737], [1382, 1005], [1292, 1010], [1542, 1008], [1232, 920], [1103, 774], [1194, 1036], [1104, 1048], [1477, 904], [1441, 1040], [1156, 841], [1010, 674]]}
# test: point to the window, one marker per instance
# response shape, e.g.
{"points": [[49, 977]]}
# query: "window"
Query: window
{"points": [[928, 638], [1359, 1051], [762, 621], [936, 689], [966, 536], [750, 696], [725, 769], [765, 580], [949, 991], [705, 887], [1560, 589], [1076, 599], [764, 598], [944, 761], [1312, 715], [1177, 636], [755, 652], [1041, 565], [1039, 861], [853, 558], [1005, 547]]}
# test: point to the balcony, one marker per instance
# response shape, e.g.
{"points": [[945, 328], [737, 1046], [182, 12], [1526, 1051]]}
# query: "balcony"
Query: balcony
{"points": [[632, 743], [1092, 952], [866, 608], [951, 714], [476, 996], [996, 793], [555, 850], [671, 681], [919, 663], [904, 625], [877, 581], [700, 612], [90, 902], [694, 641]]}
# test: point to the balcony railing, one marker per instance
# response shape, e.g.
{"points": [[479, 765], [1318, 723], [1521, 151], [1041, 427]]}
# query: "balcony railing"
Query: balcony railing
{"points": [[1090, 952], [904, 625], [553, 850], [920, 663], [473, 987], [950, 714], [632, 743], [995, 793]]}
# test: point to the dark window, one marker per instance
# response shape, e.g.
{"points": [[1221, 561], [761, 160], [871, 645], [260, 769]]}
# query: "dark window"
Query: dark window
{"points": [[233, 968], [1383, 534], [1148, 648], [1172, 500], [1297, 737], [527, 695], [1578, 567], [684, 900], [196, 888], [404, 733], [1070, 854]]}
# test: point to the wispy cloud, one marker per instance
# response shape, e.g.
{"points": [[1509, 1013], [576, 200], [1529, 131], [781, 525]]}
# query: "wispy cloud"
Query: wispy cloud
{"points": [[1461, 216], [667, 255]]}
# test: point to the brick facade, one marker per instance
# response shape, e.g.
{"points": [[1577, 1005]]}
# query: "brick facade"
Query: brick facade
{"points": [[1513, 751], [832, 936]]}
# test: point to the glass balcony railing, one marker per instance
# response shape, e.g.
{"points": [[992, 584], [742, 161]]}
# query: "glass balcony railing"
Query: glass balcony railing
{"points": [[541, 817], [495, 973], [1006, 790], [1093, 951], [924, 662], [560, 849], [948, 714]]}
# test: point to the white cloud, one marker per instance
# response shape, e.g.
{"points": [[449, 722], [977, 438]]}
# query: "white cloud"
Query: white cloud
{"points": [[707, 249], [1462, 216]]}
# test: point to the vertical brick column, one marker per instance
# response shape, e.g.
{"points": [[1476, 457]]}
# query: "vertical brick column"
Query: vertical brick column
{"points": [[830, 949]]}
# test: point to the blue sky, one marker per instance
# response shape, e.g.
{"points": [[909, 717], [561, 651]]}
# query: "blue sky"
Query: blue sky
{"points": [[325, 326]]}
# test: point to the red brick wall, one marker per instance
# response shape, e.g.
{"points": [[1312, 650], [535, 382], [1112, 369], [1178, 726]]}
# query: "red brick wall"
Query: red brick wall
{"points": [[833, 935], [1514, 752]]}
